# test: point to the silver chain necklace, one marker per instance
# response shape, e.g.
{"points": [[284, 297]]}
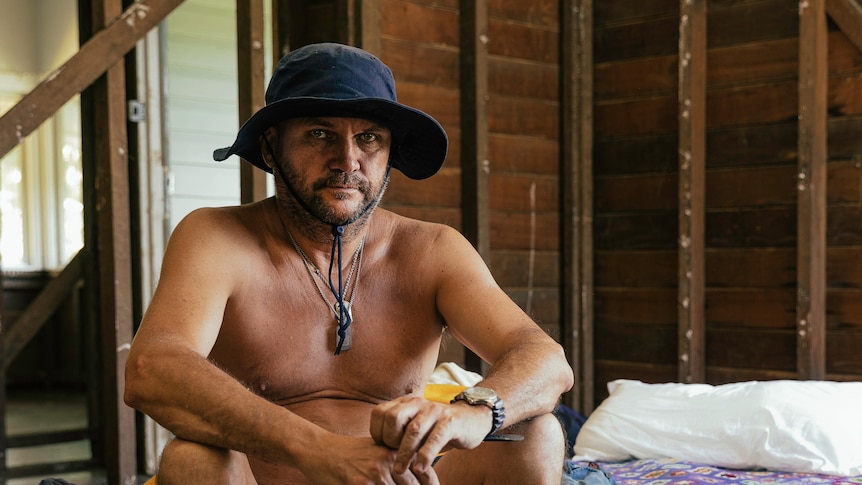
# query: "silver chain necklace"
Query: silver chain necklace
{"points": [[355, 267]]}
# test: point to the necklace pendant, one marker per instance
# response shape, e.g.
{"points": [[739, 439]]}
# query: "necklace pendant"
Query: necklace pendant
{"points": [[348, 330]]}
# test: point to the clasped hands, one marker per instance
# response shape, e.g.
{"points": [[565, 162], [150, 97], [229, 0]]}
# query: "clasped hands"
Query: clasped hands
{"points": [[420, 429]]}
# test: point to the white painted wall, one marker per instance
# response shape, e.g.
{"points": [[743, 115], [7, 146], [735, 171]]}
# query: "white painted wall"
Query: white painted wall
{"points": [[201, 105]]}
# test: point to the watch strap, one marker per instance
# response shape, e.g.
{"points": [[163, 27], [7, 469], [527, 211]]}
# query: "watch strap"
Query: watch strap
{"points": [[498, 409]]}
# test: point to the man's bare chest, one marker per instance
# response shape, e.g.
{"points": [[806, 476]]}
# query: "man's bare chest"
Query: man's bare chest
{"points": [[281, 344]]}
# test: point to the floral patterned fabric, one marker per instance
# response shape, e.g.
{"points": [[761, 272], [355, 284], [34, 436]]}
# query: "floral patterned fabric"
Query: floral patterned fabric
{"points": [[668, 471]]}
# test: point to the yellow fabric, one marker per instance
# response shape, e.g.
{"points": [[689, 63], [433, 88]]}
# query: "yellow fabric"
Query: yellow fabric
{"points": [[433, 392], [442, 392]]}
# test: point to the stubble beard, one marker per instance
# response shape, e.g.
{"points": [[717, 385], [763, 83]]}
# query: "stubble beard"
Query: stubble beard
{"points": [[310, 210]]}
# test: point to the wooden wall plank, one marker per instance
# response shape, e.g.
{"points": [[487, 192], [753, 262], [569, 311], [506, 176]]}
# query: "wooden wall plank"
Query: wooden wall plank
{"points": [[252, 83], [576, 148], [811, 265], [424, 24]]}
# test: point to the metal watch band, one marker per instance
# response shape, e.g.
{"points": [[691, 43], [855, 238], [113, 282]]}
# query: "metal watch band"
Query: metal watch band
{"points": [[498, 409]]}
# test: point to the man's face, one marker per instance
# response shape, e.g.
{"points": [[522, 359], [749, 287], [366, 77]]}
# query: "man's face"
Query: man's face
{"points": [[336, 166]]}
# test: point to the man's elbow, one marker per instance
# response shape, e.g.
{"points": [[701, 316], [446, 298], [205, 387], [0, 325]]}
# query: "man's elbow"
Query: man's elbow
{"points": [[137, 373]]}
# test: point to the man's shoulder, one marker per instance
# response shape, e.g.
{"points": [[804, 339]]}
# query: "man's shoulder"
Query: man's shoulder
{"points": [[222, 226], [411, 227]]}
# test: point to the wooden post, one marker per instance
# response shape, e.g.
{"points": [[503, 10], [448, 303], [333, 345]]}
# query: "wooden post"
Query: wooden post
{"points": [[250, 64], [692, 173], [113, 256], [576, 178], [811, 185], [368, 20], [475, 166]]}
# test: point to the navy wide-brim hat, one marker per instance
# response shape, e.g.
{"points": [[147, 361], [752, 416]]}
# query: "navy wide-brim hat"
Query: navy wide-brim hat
{"points": [[339, 80]]}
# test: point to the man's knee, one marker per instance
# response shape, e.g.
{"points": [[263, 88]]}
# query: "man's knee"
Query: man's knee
{"points": [[183, 459], [544, 434]]}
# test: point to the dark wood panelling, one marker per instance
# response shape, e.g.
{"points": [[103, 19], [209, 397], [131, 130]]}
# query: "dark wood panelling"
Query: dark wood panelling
{"points": [[844, 267], [742, 307], [749, 348], [523, 117], [656, 343], [418, 63], [525, 231], [520, 41], [648, 38], [625, 12], [638, 192], [441, 103], [761, 227], [514, 153], [636, 231], [518, 268], [639, 117], [635, 269], [763, 268], [636, 306], [738, 22], [435, 192], [524, 193], [421, 23], [513, 77], [540, 13], [641, 154]]}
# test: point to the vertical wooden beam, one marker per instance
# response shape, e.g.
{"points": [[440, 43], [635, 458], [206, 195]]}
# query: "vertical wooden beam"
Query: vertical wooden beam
{"points": [[280, 29], [113, 256], [811, 184], [250, 63], [368, 28], [692, 174], [475, 166], [576, 178]]}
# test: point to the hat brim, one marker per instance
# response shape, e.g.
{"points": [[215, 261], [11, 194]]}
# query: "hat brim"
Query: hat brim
{"points": [[419, 142]]}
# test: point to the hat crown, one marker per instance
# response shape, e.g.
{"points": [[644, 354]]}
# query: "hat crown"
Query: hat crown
{"points": [[330, 71]]}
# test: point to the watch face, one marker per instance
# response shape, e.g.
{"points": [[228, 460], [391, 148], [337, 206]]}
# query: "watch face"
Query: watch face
{"points": [[480, 394]]}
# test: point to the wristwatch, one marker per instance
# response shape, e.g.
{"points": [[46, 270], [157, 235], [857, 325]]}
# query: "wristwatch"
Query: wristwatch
{"points": [[482, 396]]}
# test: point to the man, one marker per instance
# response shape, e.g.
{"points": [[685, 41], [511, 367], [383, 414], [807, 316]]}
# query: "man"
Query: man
{"points": [[290, 340]]}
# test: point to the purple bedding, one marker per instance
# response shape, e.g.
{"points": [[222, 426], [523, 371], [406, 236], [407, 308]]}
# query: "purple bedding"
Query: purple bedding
{"points": [[668, 471]]}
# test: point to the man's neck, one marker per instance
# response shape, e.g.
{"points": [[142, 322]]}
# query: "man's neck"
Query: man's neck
{"points": [[314, 234]]}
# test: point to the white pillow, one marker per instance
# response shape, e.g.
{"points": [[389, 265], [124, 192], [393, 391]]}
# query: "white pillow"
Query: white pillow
{"points": [[795, 426]]}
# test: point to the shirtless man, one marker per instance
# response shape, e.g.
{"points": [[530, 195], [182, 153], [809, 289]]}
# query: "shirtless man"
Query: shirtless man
{"points": [[290, 340]]}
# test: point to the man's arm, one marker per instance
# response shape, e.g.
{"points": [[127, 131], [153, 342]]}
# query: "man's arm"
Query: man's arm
{"points": [[529, 370], [168, 375]]}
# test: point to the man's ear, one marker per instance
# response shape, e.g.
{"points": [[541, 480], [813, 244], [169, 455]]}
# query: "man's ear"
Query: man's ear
{"points": [[266, 146]]}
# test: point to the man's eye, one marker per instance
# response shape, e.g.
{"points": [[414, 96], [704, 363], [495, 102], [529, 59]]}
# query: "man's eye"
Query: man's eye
{"points": [[318, 134], [367, 137]]}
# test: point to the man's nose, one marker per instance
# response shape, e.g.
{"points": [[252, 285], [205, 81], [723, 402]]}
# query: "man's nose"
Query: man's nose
{"points": [[347, 156]]}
